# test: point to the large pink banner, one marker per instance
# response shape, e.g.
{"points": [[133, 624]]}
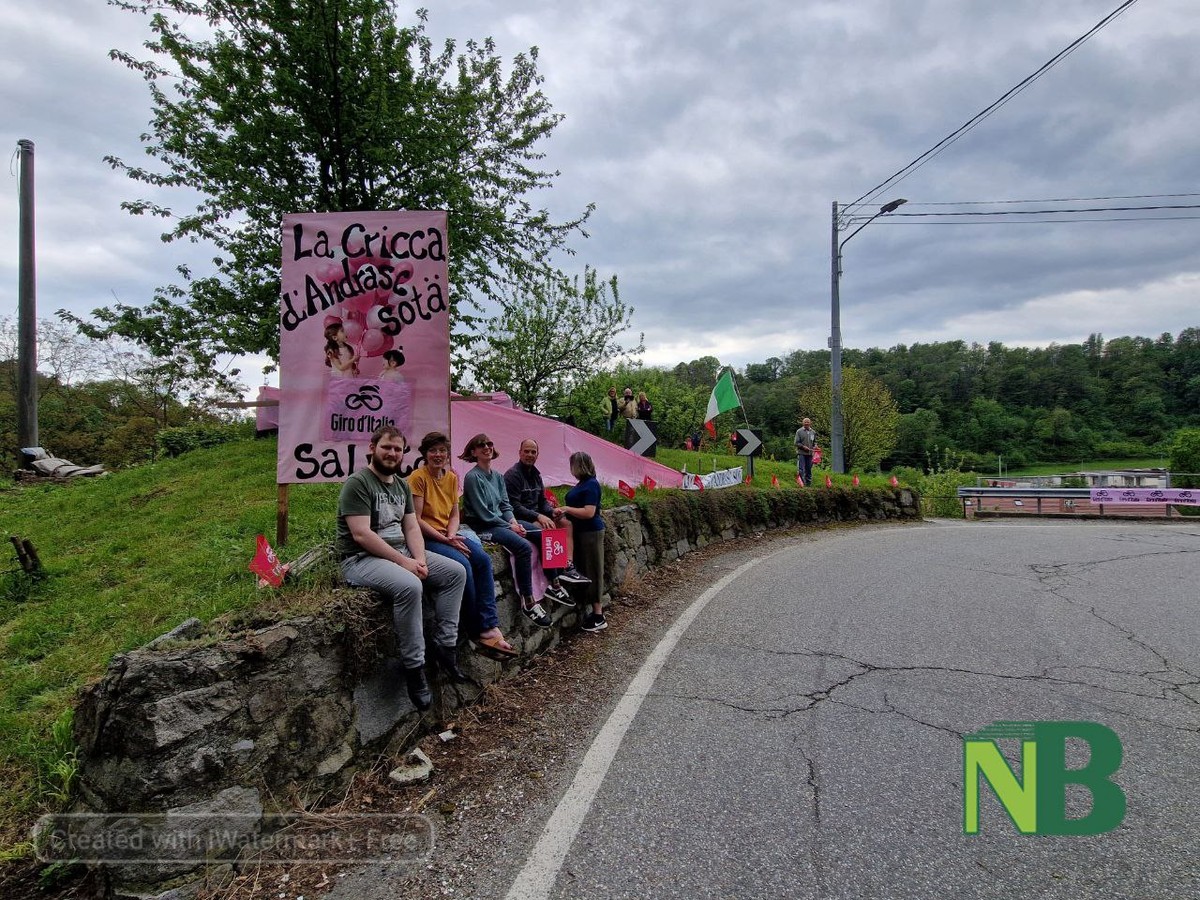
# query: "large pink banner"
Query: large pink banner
{"points": [[1178, 496], [364, 337]]}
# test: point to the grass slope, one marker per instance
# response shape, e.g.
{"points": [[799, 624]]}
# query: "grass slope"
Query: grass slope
{"points": [[130, 556], [127, 556]]}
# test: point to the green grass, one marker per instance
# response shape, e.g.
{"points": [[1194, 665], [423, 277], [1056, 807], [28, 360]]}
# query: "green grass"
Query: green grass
{"points": [[133, 554], [127, 557]]}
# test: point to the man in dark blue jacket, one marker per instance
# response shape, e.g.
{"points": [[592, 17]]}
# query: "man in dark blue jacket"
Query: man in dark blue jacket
{"points": [[527, 494]]}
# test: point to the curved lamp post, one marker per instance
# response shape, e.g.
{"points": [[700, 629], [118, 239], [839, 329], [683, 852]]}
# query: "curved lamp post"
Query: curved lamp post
{"points": [[836, 424]]}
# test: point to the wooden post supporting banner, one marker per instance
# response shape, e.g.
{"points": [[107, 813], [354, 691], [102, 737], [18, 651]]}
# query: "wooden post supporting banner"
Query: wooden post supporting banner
{"points": [[281, 517]]}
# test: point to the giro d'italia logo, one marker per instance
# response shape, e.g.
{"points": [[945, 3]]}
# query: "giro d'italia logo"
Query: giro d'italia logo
{"points": [[1036, 802]]}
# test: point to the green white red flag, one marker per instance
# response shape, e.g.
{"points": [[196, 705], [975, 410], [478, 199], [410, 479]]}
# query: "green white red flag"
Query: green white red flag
{"points": [[724, 398]]}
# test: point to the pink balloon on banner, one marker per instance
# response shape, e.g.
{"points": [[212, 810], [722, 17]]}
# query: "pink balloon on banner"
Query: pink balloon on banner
{"points": [[361, 303], [354, 315], [376, 343], [403, 272], [373, 320], [354, 330]]}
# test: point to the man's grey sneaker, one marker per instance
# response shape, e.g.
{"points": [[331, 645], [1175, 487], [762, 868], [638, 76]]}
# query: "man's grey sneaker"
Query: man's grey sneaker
{"points": [[572, 575], [534, 613], [594, 622], [559, 595]]}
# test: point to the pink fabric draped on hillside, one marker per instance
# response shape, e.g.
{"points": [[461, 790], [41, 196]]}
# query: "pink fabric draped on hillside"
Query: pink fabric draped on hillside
{"points": [[507, 427]]}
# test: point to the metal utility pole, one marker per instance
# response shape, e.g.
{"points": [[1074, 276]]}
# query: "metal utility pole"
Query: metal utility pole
{"points": [[27, 398], [837, 429]]}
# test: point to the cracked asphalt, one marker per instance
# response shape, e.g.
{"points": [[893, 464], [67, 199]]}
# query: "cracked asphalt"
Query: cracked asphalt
{"points": [[804, 739]]}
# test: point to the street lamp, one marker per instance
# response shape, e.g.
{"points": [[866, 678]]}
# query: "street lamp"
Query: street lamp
{"points": [[836, 425]]}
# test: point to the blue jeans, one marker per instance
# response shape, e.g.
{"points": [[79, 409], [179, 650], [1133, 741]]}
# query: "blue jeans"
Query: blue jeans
{"points": [[804, 468], [521, 550], [479, 595]]}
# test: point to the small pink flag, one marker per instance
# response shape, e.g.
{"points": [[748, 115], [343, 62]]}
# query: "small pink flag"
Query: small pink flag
{"points": [[550, 498], [649, 483], [828, 481], [895, 482], [774, 481], [266, 565], [799, 480], [625, 490], [854, 481], [816, 456]]}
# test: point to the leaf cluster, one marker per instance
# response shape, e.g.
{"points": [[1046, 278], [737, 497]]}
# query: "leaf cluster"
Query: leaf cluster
{"points": [[262, 108]]}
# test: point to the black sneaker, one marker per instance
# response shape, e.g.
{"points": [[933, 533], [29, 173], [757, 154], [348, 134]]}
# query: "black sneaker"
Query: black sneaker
{"points": [[572, 575], [594, 622], [418, 688], [559, 595], [534, 613]]}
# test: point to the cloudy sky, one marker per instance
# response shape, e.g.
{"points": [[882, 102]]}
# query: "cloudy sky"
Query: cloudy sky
{"points": [[714, 138]]}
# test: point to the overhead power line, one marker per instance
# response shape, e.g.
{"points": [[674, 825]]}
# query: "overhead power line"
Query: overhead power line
{"points": [[949, 139], [1049, 200]]}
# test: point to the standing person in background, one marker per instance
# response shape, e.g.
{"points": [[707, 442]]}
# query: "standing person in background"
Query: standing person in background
{"points": [[435, 496], [644, 409], [527, 494], [612, 408], [380, 547], [582, 507], [488, 510], [806, 440], [628, 406]]}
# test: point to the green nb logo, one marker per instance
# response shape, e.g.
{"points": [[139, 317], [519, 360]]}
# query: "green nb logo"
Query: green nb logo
{"points": [[1037, 801]]}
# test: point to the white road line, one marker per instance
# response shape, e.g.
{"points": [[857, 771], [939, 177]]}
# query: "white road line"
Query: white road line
{"points": [[537, 878]]}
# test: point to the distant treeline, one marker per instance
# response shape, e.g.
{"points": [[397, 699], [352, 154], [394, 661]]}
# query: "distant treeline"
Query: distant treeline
{"points": [[1121, 398]]}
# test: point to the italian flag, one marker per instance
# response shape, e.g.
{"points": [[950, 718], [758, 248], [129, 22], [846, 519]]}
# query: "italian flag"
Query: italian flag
{"points": [[724, 398]]}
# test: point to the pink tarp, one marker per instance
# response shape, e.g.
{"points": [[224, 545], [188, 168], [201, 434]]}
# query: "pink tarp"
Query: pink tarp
{"points": [[507, 427]]}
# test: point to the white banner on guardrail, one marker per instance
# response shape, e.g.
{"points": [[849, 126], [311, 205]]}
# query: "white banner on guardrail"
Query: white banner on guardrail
{"points": [[1178, 496]]}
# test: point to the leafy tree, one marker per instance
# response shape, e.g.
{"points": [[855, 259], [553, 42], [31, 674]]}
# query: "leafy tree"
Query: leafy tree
{"points": [[869, 415], [553, 336], [266, 107]]}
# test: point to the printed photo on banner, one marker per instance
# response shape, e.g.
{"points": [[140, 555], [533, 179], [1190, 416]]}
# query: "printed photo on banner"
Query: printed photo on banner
{"points": [[364, 336]]}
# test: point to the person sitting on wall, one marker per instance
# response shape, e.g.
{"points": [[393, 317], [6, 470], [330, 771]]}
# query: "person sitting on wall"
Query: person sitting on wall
{"points": [[380, 547], [435, 495], [487, 509], [527, 493]]}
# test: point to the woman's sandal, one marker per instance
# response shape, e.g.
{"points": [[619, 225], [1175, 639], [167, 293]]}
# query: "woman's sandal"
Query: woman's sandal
{"points": [[496, 648]]}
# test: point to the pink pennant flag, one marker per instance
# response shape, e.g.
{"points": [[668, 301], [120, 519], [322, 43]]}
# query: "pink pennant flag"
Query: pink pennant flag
{"points": [[625, 490], [550, 498], [774, 481], [895, 482], [828, 481], [649, 483], [854, 481], [266, 565]]}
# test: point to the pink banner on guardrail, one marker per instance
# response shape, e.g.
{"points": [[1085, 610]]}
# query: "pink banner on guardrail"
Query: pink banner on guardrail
{"points": [[1178, 496]]}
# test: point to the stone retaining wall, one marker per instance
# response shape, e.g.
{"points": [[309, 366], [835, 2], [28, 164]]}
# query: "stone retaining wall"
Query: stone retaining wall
{"points": [[233, 725]]}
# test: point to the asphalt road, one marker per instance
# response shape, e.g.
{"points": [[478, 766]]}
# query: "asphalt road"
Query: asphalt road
{"points": [[804, 736]]}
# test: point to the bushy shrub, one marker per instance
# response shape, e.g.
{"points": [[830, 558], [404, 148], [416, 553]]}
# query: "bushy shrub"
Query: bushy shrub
{"points": [[177, 441]]}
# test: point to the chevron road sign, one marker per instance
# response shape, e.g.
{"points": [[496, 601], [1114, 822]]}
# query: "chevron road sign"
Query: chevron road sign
{"points": [[640, 437], [747, 442]]}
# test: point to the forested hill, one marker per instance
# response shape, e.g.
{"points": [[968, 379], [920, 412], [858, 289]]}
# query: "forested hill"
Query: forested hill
{"points": [[1115, 398]]}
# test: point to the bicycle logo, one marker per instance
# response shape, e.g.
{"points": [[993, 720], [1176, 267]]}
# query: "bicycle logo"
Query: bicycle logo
{"points": [[367, 398]]}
